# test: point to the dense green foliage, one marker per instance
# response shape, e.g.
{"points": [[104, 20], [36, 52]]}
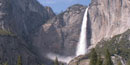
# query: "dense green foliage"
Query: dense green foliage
{"points": [[19, 61], [107, 60], [119, 45], [99, 60], [93, 58]]}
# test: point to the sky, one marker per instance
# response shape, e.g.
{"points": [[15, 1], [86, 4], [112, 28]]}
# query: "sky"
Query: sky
{"points": [[61, 5]]}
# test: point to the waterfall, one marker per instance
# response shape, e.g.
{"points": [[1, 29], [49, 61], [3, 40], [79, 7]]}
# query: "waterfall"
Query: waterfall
{"points": [[81, 47], [82, 44]]}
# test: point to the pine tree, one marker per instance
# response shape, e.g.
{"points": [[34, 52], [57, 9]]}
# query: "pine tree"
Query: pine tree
{"points": [[19, 62], [93, 57], [119, 63], [56, 62], [99, 61], [108, 60]]}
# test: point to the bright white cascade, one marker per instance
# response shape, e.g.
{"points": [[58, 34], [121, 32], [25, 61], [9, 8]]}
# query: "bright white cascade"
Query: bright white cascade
{"points": [[81, 47], [82, 44]]}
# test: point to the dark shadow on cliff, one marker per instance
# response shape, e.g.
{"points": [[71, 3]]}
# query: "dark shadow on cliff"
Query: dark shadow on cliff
{"points": [[89, 30]]}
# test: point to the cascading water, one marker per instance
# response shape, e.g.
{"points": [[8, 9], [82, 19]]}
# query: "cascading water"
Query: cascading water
{"points": [[82, 45]]}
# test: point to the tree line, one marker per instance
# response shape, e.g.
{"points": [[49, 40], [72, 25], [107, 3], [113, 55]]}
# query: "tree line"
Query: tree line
{"points": [[96, 59]]}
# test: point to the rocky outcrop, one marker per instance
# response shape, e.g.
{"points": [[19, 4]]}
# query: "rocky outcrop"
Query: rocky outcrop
{"points": [[108, 18], [105, 20], [11, 47], [50, 12], [61, 33], [80, 60], [23, 17], [31, 22]]}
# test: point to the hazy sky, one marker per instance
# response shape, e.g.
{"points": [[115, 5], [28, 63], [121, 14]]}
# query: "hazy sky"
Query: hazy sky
{"points": [[61, 5]]}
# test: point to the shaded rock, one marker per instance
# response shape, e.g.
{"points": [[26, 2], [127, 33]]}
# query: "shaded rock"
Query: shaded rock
{"points": [[61, 33], [50, 12], [12, 47], [80, 60], [23, 17]]}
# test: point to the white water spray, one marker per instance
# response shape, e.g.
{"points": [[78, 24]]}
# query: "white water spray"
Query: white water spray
{"points": [[81, 47], [82, 44], [63, 59]]}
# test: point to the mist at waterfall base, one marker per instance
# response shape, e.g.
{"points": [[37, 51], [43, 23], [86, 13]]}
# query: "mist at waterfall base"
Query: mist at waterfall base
{"points": [[81, 46], [63, 59]]}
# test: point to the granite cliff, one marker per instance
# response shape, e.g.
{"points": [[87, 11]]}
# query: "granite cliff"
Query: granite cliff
{"points": [[61, 33], [108, 18], [105, 20], [41, 31], [18, 20], [23, 17]]}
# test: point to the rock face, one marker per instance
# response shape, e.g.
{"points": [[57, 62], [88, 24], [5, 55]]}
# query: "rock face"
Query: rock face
{"points": [[12, 47], [50, 12], [105, 19], [108, 18], [23, 17], [80, 60], [61, 33], [41, 32]]}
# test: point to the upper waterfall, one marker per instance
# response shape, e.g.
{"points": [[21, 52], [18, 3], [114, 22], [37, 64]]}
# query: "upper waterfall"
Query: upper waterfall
{"points": [[82, 44], [81, 47]]}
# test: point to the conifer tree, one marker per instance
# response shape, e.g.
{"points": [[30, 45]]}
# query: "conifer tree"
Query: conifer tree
{"points": [[19, 62], [93, 57], [108, 60], [56, 62], [99, 61]]}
